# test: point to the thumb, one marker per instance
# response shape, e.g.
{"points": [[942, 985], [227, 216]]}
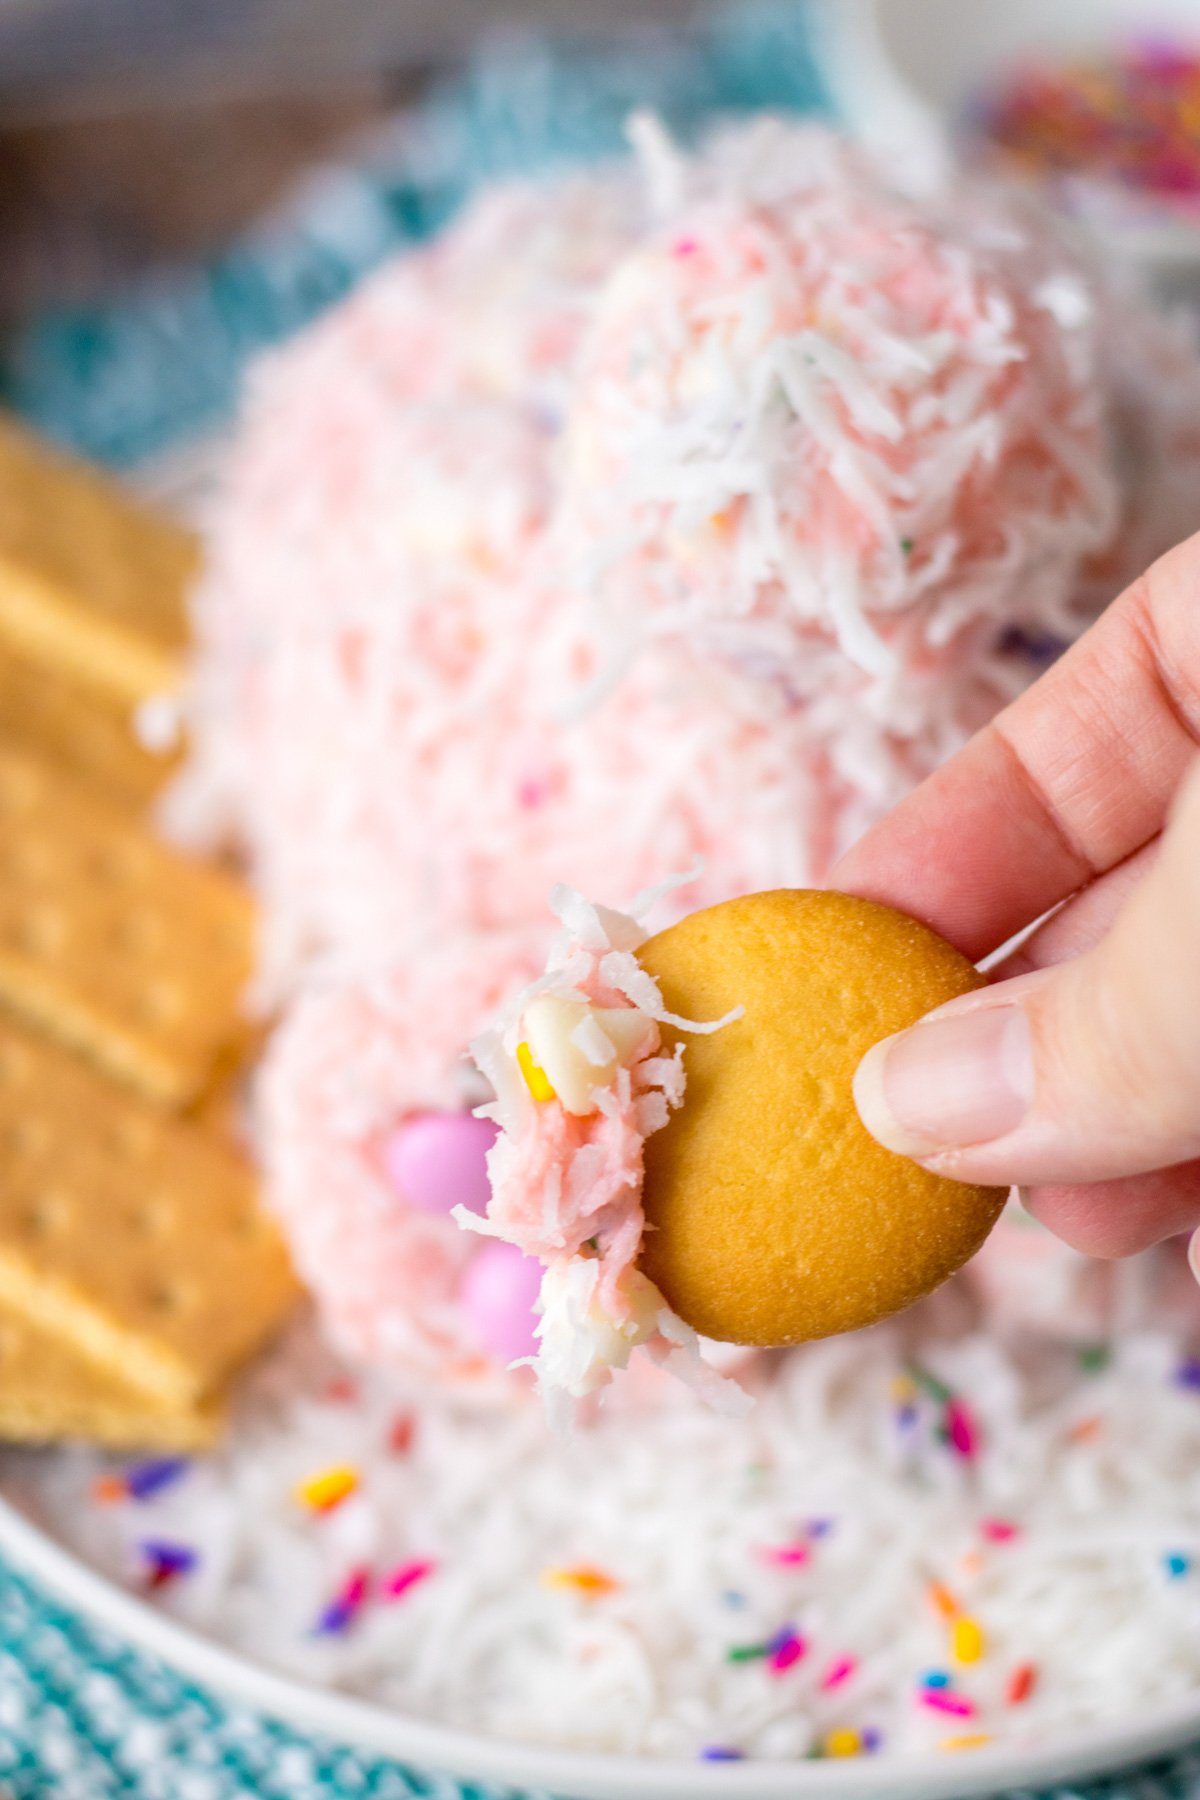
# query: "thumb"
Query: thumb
{"points": [[1081, 1072]]}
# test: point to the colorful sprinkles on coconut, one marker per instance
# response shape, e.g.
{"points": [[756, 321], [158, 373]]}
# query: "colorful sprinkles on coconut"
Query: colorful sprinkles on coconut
{"points": [[406, 1576], [356, 1588], [1131, 117], [166, 1561], [340, 1612], [141, 1481], [325, 1489]]}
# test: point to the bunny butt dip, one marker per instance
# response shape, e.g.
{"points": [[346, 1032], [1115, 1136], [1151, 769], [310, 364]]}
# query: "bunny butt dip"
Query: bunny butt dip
{"points": [[697, 533], [581, 1080], [687, 509], [748, 456]]}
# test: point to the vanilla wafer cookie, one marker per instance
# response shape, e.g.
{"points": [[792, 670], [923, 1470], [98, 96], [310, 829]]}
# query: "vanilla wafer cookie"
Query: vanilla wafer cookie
{"points": [[92, 583], [49, 1391], [133, 1237], [113, 942], [83, 731]]}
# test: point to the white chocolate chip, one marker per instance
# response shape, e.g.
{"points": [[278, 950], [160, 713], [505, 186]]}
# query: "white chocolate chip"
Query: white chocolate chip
{"points": [[579, 1047]]}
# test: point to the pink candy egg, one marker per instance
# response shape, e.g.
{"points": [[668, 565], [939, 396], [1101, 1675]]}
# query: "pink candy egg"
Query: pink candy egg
{"points": [[436, 1161], [497, 1295]]}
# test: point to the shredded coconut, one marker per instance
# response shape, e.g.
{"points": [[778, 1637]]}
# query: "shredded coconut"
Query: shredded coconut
{"points": [[829, 1509], [580, 1083], [696, 533], [700, 529]]}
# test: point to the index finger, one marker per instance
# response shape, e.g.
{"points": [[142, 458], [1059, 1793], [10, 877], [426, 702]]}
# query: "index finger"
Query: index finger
{"points": [[1065, 783]]}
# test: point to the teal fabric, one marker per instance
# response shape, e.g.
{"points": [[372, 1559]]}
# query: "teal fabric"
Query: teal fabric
{"points": [[83, 1716], [124, 381]]}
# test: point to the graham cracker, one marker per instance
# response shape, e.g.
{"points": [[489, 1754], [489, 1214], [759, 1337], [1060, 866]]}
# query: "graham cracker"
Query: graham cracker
{"points": [[92, 582], [84, 732], [114, 943], [48, 1392], [133, 1237], [223, 1110]]}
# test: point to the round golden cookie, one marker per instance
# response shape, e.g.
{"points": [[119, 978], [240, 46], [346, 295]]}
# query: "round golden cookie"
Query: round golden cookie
{"points": [[776, 1216]]}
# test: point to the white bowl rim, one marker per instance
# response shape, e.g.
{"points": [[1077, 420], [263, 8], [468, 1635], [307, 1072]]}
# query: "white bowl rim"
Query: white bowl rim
{"points": [[574, 1775]]}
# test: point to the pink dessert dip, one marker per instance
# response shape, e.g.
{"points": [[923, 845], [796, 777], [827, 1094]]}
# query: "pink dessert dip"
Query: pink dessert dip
{"points": [[581, 1080]]}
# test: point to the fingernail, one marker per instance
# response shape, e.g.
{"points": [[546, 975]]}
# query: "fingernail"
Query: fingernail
{"points": [[950, 1082], [1193, 1254]]}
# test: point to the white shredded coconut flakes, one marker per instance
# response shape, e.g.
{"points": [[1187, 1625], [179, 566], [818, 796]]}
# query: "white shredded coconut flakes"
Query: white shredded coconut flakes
{"points": [[680, 1507]]}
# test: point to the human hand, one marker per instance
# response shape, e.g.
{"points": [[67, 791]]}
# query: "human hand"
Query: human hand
{"points": [[1077, 1075]]}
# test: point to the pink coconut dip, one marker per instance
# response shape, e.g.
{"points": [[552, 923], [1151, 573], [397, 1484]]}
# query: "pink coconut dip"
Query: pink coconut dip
{"points": [[581, 1081], [687, 511]]}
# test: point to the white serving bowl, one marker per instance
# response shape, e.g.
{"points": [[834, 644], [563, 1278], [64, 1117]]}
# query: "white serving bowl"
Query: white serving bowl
{"points": [[903, 73], [535, 1772]]}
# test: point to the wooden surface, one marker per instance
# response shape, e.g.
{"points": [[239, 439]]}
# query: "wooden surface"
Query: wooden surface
{"points": [[88, 205]]}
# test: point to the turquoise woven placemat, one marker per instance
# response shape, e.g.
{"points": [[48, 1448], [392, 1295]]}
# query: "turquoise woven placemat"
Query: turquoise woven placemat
{"points": [[83, 1716], [125, 381]]}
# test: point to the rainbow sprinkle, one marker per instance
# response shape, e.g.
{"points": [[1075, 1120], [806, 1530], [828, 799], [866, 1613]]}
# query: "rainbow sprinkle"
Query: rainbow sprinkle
{"points": [[145, 1479], [928, 1383], [401, 1433], [1020, 1684], [966, 1640], [942, 1601], [965, 1740], [721, 1753], [582, 1578], [141, 1481], [904, 1399], [532, 791], [957, 1427], [325, 1490], [346, 1603], [842, 1742], [1132, 117], [787, 1648], [962, 1433], [1176, 1564], [787, 1556], [999, 1531], [839, 1671], [536, 1079], [166, 1561], [934, 1678], [393, 1586], [943, 1700]]}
